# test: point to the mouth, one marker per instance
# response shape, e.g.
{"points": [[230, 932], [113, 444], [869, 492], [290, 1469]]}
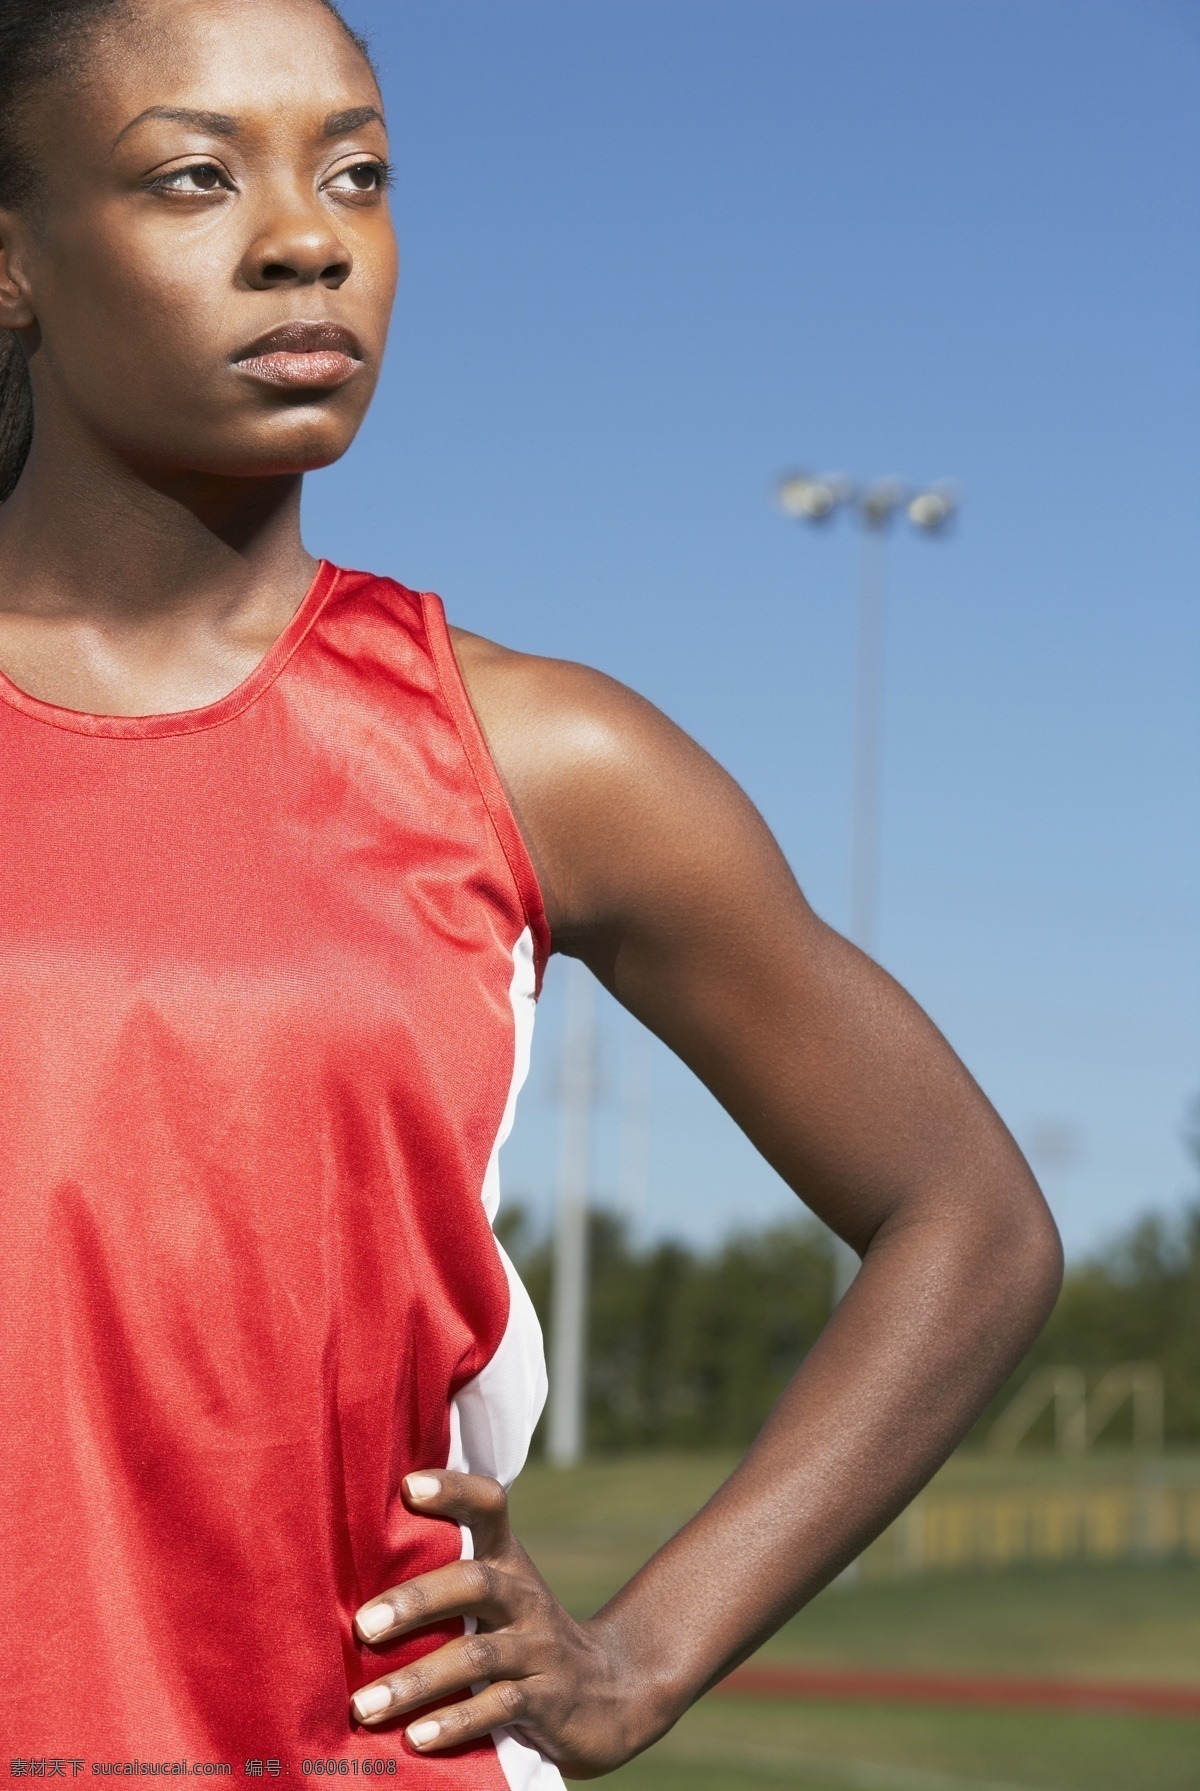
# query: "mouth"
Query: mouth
{"points": [[298, 355]]}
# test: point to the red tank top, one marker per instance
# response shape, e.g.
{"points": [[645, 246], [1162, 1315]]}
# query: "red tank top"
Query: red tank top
{"points": [[267, 977]]}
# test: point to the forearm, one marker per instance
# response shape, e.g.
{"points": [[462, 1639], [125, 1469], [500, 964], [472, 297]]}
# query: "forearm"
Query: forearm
{"points": [[934, 1322]]}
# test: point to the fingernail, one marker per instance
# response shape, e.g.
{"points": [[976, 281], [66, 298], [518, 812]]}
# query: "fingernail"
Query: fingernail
{"points": [[421, 1734], [370, 1701], [375, 1619], [423, 1486]]}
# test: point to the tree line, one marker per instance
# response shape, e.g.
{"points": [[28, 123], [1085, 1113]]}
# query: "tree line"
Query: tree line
{"points": [[690, 1349]]}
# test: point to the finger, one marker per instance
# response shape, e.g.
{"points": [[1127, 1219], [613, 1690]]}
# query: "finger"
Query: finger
{"points": [[498, 1705], [463, 1589], [460, 1663], [472, 1499]]}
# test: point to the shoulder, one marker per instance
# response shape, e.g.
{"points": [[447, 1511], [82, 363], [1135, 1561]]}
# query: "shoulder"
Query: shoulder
{"points": [[564, 715], [615, 801]]}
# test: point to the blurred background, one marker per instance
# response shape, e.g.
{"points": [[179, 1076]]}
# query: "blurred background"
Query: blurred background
{"points": [[658, 254]]}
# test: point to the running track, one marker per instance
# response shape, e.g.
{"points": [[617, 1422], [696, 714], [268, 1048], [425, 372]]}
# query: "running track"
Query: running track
{"points": [[885, 1685]]}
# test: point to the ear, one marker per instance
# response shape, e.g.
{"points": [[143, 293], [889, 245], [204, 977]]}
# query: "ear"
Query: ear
{"points": [[16, 300]]}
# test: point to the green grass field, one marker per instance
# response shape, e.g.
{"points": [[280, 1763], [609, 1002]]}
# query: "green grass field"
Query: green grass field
{"points": [[591, 1528]]}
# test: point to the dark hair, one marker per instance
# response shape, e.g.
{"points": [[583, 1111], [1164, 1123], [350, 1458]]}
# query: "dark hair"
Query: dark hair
{"points": [[38, 39]]}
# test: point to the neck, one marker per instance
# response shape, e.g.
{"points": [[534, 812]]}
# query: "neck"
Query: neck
{"points": [[85, 535]]}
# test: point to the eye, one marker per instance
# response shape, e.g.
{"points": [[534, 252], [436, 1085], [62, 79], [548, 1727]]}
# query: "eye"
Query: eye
{"points": [[360, 178], [200, 177]]}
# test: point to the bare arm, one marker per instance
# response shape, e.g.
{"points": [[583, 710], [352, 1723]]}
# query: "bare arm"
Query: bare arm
{"points": [[659, 874]]}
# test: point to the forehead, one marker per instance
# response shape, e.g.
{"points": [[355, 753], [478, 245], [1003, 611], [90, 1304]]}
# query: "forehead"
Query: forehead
{"points": [[248, 58]]}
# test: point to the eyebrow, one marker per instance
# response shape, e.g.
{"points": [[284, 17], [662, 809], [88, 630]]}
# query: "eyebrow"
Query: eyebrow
{"points": [[338, 123], [220, 124]]}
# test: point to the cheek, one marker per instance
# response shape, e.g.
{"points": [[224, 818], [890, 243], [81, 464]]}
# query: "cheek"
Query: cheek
{"points": [[140, 316], [366, 300], [386, 271]]}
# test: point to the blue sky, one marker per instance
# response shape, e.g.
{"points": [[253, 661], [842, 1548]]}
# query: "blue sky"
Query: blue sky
{"points": [[657, 251]]}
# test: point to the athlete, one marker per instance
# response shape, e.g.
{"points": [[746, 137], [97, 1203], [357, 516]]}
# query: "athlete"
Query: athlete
{"points": [[281, 861]]}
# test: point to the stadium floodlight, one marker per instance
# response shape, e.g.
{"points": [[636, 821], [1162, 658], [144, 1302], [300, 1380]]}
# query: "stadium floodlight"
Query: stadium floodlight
{"points": [[879, 502], [932, 509], [816, 497], [813, 497]]}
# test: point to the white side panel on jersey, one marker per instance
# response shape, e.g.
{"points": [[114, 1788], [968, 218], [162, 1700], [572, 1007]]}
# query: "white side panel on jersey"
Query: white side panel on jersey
{"points": [[522, 994], [493, 1418]]}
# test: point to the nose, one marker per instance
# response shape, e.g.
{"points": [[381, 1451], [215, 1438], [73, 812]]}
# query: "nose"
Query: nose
{"points": [[297, 247]]}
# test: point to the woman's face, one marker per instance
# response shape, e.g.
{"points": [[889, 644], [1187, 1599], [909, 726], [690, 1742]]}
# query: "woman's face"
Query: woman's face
{"points": [[207, 266]]}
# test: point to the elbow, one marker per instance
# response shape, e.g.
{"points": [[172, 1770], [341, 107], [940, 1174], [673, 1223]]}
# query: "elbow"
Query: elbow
{"points": [[1026, 1248], [1051, 1248], [1044, 1272]]}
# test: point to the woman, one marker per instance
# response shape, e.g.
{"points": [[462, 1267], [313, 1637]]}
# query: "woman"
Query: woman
{"points": [[280, 864]]}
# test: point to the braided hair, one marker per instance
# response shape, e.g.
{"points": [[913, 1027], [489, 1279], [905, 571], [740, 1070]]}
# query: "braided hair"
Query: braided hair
{"points": [[39, 40]]}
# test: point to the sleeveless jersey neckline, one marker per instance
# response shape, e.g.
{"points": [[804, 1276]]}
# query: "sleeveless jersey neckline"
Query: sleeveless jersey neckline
{"points": [[186, 721]]}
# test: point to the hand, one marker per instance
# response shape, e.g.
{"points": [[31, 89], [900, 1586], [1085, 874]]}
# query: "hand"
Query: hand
{"points": [[552, 1678]]}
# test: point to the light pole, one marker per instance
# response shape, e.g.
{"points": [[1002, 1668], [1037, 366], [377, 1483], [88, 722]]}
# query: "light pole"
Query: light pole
{"points": [[816, 499], [568, 1310], [633, 1157]]}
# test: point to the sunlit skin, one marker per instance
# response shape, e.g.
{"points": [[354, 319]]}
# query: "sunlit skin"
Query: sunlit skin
{"points": [[148, 558]]}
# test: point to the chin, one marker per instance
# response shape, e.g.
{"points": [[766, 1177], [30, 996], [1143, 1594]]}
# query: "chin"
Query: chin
{"points": [[303, 450]]}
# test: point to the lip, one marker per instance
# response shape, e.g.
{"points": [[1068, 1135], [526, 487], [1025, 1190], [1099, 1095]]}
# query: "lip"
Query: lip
{"points": [[302, 354]]}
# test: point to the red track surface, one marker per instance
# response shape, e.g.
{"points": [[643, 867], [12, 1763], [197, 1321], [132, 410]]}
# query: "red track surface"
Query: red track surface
{"points": [[885, 1685]]}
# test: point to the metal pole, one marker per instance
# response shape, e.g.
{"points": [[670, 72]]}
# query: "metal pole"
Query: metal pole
{"points": [[868, 730], [633, 1162], [864, 828], [568, 1317]]}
